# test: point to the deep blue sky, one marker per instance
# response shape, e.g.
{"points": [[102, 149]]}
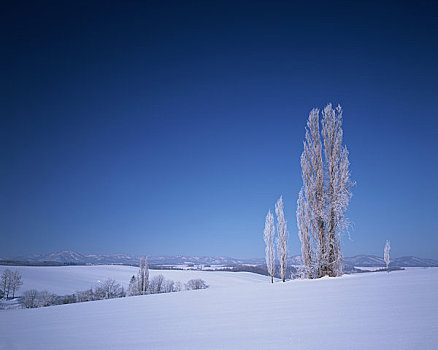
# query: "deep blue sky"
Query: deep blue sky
{"points": [[158, 127]]}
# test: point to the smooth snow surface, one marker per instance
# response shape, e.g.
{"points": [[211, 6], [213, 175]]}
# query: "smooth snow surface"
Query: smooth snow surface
{"points": [[398, 310]]}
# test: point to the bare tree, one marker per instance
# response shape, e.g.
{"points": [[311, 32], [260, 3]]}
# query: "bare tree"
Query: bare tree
{"points": [[156, 284], [11, 282], [386, 255], [168, 286], [108, 289], [269, 241], [325, 195], [143, 276], [5, 282], [282, 237], [16, 282], [30, 298]]}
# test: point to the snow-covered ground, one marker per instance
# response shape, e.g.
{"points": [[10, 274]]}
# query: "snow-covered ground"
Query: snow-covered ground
{"points": [[398, 310]]}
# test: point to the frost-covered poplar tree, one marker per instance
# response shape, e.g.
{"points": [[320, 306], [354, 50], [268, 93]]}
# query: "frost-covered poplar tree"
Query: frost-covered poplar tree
{"points": [[146, 276], [282, 237], [140, 276], [326, 193], [269, 241], [386, 255], [303, 223], [143, 276]]}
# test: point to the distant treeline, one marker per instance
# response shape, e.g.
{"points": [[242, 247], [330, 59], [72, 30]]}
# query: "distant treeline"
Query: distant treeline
{"points": [[30, 263]]}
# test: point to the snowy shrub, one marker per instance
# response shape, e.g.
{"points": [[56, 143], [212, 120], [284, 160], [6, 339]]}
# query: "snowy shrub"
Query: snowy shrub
{"points": [[84, 295], [66, 299], [178, 287], [156, 284], [108, 289], [45, 298], [196, 284], [168, 286], [30, 298]]}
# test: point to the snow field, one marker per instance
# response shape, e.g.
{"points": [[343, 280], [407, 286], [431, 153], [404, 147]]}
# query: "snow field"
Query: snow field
{"points": [[63, 280], [364, 311]]}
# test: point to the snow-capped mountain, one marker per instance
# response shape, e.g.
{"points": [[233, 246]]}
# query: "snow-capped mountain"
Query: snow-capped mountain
{"points": [[70, 257]]}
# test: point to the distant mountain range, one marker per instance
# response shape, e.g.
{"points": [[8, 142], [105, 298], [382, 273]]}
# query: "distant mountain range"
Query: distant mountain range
{"points": [[404, 261], [69, 257]]}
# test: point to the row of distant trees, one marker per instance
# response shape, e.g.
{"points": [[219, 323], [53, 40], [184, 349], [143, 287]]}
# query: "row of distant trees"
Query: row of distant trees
{"points": [[109, 289], [11, 281], [141, 284]]}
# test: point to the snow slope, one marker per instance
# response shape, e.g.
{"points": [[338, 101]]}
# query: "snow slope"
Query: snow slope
{"points": [[364, 311]]}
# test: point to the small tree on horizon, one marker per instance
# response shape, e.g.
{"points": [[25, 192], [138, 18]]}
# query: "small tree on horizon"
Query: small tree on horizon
{"points": [[386, 255]]}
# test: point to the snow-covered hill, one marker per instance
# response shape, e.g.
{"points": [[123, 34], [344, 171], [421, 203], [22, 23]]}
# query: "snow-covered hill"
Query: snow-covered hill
{"points": [[363, 311]]}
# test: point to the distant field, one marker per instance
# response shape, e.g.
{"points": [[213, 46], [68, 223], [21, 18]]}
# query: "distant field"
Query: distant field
{"points": [[64, 280]]}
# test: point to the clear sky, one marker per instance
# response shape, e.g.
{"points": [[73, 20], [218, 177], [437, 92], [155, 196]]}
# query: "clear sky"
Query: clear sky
{"points": [[159, 127]]}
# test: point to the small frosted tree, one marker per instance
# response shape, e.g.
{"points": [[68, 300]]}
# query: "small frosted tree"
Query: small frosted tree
{"points": [[386, 255], [282, 237], [45, 298], [30, 298], [156, 284], [133, 287], [143, 276], [269, 241], [196, 284]]}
